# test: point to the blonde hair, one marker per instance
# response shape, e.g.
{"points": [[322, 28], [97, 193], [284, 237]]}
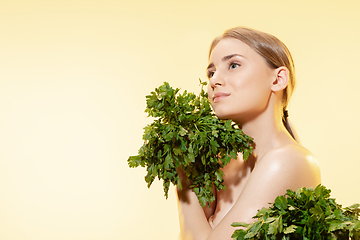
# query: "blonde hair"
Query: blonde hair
{"points": [[270, 48], [274, 52]]}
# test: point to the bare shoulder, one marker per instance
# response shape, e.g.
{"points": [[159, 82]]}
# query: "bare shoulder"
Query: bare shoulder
{"points": [[290, 166], [289, 152], [292, 162]]}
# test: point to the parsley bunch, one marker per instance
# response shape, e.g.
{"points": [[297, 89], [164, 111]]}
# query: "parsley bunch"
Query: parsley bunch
{"points": [[186, 134], [303, 214]]}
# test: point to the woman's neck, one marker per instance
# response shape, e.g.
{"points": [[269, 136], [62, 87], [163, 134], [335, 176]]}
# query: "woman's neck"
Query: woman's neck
{"points": [[268, 132]]}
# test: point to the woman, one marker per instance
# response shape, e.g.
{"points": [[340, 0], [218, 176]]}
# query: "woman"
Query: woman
{"points": [[251, 78]]}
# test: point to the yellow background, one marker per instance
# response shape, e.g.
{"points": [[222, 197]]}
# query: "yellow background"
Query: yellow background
{"points": [[73, 80]]}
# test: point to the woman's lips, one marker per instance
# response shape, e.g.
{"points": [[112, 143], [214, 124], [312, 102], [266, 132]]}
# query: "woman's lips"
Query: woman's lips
{"points": [[220, 95]]}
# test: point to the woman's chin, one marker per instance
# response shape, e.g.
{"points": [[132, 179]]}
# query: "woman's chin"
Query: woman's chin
{"points": [[222, 116], [228, 117]]}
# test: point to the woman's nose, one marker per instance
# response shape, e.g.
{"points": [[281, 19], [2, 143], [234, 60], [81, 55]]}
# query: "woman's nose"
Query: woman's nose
{"points": [[216, 81]]}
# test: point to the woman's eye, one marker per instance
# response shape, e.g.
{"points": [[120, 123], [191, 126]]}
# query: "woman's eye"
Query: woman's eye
{"points": [[210, 74], [234, 65]]}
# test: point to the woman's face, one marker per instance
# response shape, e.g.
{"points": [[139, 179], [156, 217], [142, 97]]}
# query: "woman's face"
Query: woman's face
{"points": [[239, 81]]}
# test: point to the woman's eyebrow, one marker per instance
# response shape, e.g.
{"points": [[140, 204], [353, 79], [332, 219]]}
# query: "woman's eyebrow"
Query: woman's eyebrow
{"points": [[210, 66], [225, 58], [231, 56]]}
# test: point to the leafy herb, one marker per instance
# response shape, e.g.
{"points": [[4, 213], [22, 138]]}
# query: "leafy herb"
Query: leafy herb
{"points": [[303, 214], [187, 134]]}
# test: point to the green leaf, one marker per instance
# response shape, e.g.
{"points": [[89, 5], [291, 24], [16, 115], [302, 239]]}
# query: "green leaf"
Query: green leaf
{"points": [[290, 229], [182, 131], [316, 210], [203, 200], [354, 207], [247, 153], [168, 161], [179, 183], [239, 234], [281, 203], [134, 161], [219, 175], [270, 219], [240, 224], [264, 211], [177, 151], [191, 157], [253, 230], [336, 226], [275, 227]]}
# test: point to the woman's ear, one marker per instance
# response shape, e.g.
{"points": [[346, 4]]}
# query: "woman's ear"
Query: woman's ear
{"points": [[281, 79]]}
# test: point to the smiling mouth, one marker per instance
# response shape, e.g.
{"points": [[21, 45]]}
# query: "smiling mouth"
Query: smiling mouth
{"points": [[219, 96]]}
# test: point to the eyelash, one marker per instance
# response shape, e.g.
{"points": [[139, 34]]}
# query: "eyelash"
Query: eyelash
{"points": [[233, 63], [211, 73]]}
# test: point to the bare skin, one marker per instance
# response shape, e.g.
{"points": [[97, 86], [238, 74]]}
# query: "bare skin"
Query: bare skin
{"points": [[243, 88]]}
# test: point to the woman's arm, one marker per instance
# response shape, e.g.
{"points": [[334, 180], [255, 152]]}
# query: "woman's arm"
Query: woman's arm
{"points": [[190, 210], [289, 167], [193, 221]]}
